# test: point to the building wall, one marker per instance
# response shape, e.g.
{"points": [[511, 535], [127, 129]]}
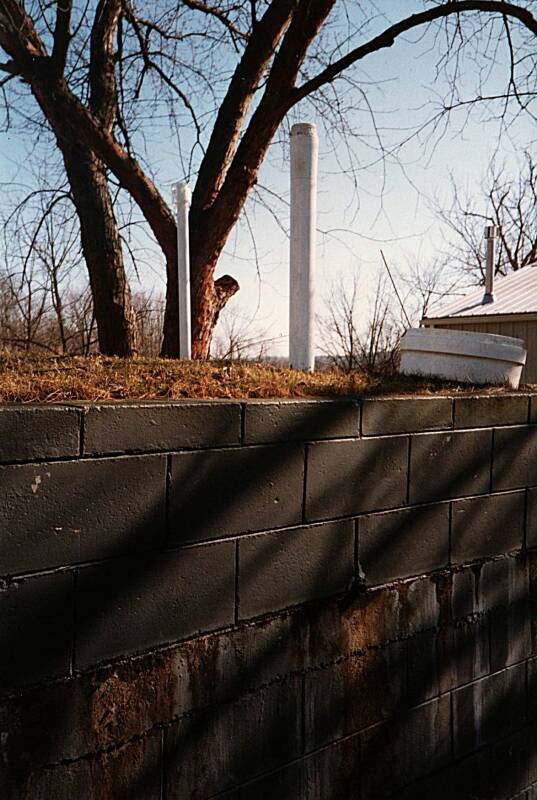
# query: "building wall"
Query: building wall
{"points": [[521, 329], [324, 600]]}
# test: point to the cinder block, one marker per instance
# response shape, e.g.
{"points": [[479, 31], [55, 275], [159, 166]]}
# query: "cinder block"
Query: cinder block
{"points": [[46, 724], [350, 477], [423, 666], [146, 427], [256, 734], [465, 780], [532, 690], [268, 421], [277, 570], [531, 519], [63, 782], [289, 782], [130, 604], [533, 408], [512, 765], [356, 692], [419, 606], [221, 492], [464, 593], [360, 620], [532, 589], [487, 411], [62, 513], [369, 619], [398, 544], [134, 771], [530, 735], [463, 650], [494, 584], [406, 415], [56, 722], [483, 527], [515, 457], [489, 709], [242, 660], [504, 582], [38, 432], [333, 772], [36, 629], [444, 465], [510, 634], [394, 755]]}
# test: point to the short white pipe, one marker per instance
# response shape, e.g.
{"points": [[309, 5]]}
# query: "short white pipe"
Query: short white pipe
{"points": [[183, 196], [304, 152], [490, 235]]}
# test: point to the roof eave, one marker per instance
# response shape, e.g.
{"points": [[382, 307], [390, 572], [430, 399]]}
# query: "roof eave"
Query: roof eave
{"points": [[527, 316]]}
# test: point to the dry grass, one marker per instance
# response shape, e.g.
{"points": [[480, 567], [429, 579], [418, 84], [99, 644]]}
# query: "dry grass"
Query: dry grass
{"points": [[30, 378]]}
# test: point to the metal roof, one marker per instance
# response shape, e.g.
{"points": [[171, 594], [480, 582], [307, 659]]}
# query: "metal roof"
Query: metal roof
{"points": [[515, 293]]}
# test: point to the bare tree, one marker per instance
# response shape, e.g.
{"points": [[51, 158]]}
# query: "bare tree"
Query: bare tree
{"points": [[507, 201], [354, 337], [76, 63], [149, 310], [27, 300], [238, 338], [81, 323], [46, 304], [427, 282]]}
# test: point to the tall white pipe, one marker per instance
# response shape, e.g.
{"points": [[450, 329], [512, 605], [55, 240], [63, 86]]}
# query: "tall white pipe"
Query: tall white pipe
{"points": [[490, 235], [304, 152], [183, 197]]}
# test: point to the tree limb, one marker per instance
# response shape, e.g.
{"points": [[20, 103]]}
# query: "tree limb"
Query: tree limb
{"points": [[62, 36], [212, 11], [242, 173], [236, 104], [19, 38], [150, 63], [103, 93], [388, 37]]}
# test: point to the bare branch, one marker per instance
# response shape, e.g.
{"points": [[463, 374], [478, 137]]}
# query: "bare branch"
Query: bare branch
{"points": [[151, 64], [103, 97], [388, 37], [236, 104], [61, 35], [213, 11]]}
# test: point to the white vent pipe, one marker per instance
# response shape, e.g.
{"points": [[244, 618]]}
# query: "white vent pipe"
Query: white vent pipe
{"points": [[304, 153], [490, 236], [183, 197]]}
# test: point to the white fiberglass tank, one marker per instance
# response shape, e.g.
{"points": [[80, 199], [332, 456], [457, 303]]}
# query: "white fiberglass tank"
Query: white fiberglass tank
{"points": [[462, 356]]}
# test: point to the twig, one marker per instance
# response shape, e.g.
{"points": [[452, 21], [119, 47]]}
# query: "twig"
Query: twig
{"points": [[395, 290]]}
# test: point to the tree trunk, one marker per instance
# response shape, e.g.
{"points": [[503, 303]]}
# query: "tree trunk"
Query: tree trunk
{"points": [[114, 313], [208, 297]]}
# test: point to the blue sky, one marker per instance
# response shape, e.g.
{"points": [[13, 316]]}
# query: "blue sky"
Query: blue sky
{"points": [[390, 208]]}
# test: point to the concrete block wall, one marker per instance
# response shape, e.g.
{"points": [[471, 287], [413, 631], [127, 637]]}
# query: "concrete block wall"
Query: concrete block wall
{"points": [[312, 600]]}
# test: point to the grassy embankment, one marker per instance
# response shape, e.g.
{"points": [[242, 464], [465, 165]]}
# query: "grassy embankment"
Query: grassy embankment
{"points": [[31, 378]]}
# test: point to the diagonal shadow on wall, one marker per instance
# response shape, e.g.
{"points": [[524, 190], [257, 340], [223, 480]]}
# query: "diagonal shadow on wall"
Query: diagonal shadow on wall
{"points": [[354, 741]]}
